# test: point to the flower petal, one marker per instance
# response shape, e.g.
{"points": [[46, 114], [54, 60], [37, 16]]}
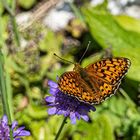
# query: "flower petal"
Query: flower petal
{"points": [[60, 112], [52, 84], [50, 99], [20, 132], [53, 91], [67, 113], [85, 117], [14, 124], [92, 108], [5, 119], [52, 110], [17, 132], [17, 139], [78, 115], [73, 118]]}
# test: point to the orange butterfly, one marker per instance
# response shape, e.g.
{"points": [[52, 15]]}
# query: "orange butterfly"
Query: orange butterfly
{"points": [[95, 82]]}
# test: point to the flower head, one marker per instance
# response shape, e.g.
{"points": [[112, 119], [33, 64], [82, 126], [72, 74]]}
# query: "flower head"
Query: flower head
{"points": [[63, 104], [5, 130]]}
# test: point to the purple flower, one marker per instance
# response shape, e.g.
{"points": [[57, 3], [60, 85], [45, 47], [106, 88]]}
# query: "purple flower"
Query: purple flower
{"points": [[63, 104], [5, 130]]}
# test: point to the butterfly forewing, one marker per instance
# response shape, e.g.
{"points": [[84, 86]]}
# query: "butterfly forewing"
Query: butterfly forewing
{"points": [[110, 70], [72, 84], [100, 80]]}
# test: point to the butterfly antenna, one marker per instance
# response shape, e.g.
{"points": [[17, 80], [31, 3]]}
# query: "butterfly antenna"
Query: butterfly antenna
{"points": [[63, 59], [85, 51]]}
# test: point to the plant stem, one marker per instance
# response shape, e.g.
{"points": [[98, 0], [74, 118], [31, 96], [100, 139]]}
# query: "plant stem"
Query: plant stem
{"points": [[60, 129], [7, 8], [131, 103], [77, 12], [13, 21], [3, 92]]}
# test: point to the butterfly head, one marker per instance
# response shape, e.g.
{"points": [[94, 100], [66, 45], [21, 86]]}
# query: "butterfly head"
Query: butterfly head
{"points": [[77, 67]]}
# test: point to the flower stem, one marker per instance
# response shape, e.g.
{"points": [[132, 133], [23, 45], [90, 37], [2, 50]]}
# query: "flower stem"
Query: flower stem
{"points": [[3, 92], [60, 129], [130, 102], [11, 13]]}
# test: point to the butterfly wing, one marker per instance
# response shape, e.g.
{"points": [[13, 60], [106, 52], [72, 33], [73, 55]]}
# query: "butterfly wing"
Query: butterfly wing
{"points": [[107, 75], [72, 84], [110, 70]]}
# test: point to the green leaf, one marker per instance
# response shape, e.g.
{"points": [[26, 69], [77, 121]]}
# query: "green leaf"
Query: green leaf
{"points": [[106, 30], [26, 4], [100, 129], [129, 23]]}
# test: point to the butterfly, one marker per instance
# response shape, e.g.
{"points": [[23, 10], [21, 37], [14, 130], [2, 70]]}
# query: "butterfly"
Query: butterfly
{"points": [[94, 83]]}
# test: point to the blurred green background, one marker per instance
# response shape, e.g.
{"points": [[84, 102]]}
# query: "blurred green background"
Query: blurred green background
{"points": [[28, 39]]}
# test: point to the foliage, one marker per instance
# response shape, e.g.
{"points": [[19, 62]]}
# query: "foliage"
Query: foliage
{"points": [[26, 4]]}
